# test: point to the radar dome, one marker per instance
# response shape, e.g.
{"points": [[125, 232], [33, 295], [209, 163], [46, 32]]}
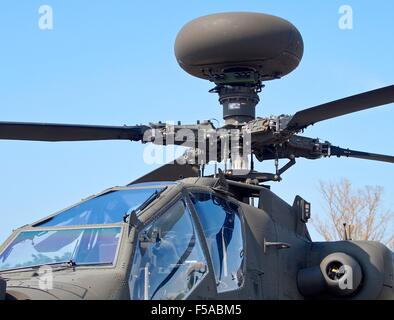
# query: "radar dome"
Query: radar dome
{"points": [[226, 42]]}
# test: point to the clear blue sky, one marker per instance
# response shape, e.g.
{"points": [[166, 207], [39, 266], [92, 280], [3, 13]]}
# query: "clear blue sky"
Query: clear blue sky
{"points": [[112, 62]]}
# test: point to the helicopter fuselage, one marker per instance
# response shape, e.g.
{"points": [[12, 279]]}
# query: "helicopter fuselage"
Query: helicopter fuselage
{"points": [[194, 239]]}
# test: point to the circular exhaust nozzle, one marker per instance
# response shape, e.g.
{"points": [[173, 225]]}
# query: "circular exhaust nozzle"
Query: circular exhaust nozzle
{"points": [[342, 273], [338, 274]]}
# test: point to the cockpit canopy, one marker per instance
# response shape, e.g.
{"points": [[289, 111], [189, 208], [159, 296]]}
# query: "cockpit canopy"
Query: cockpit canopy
{"points": [[85, 234], [195, 235]]}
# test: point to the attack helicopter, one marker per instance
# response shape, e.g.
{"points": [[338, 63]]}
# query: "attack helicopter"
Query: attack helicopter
{"points": [[177, 233]]}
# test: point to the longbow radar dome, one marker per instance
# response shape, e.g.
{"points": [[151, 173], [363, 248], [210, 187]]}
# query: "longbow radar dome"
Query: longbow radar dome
{"points": [[226, 42]]}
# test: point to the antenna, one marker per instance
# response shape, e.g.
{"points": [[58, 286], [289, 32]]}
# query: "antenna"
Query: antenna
{"points": [[345, 232]]}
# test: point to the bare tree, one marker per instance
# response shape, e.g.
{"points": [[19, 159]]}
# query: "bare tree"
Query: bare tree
{"points": [[355, 214]]}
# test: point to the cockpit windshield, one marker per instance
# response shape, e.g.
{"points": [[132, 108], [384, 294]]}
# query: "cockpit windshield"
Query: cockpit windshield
{"points": [[74, 236], [107, 208], [87, 246]]}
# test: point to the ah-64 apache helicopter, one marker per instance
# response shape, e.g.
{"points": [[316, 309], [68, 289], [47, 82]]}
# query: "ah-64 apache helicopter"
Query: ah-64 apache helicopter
{"points": [[176, 233]]}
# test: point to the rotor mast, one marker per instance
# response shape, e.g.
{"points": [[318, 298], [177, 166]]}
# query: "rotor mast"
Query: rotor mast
{"points": [[238, 51], [238, 95]]}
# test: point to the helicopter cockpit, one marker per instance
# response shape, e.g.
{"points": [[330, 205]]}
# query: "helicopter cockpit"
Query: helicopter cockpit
{"points": [[195, 236]]}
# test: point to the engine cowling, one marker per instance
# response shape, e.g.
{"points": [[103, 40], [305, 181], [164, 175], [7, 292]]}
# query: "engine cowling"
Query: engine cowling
{"points": [[337, 274], [342, 274], [348, 270]]}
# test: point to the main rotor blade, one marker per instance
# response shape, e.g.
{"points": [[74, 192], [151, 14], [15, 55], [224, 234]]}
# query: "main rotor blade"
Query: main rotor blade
{"points": [[337, 108], [337, 151], [68, 132]]}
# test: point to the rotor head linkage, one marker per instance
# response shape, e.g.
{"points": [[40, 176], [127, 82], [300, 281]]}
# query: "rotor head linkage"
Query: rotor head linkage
{"points": [[239, 100]]}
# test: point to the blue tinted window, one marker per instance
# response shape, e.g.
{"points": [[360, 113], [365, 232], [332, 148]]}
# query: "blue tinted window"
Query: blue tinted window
{"points": [[223, 232], [105, 209], [81, 246], [168, 261]]}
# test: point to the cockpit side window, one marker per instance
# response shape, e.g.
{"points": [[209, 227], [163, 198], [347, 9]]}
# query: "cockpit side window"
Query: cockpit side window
{"points": [[81, 246], [168, 262], [222, 227]]}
